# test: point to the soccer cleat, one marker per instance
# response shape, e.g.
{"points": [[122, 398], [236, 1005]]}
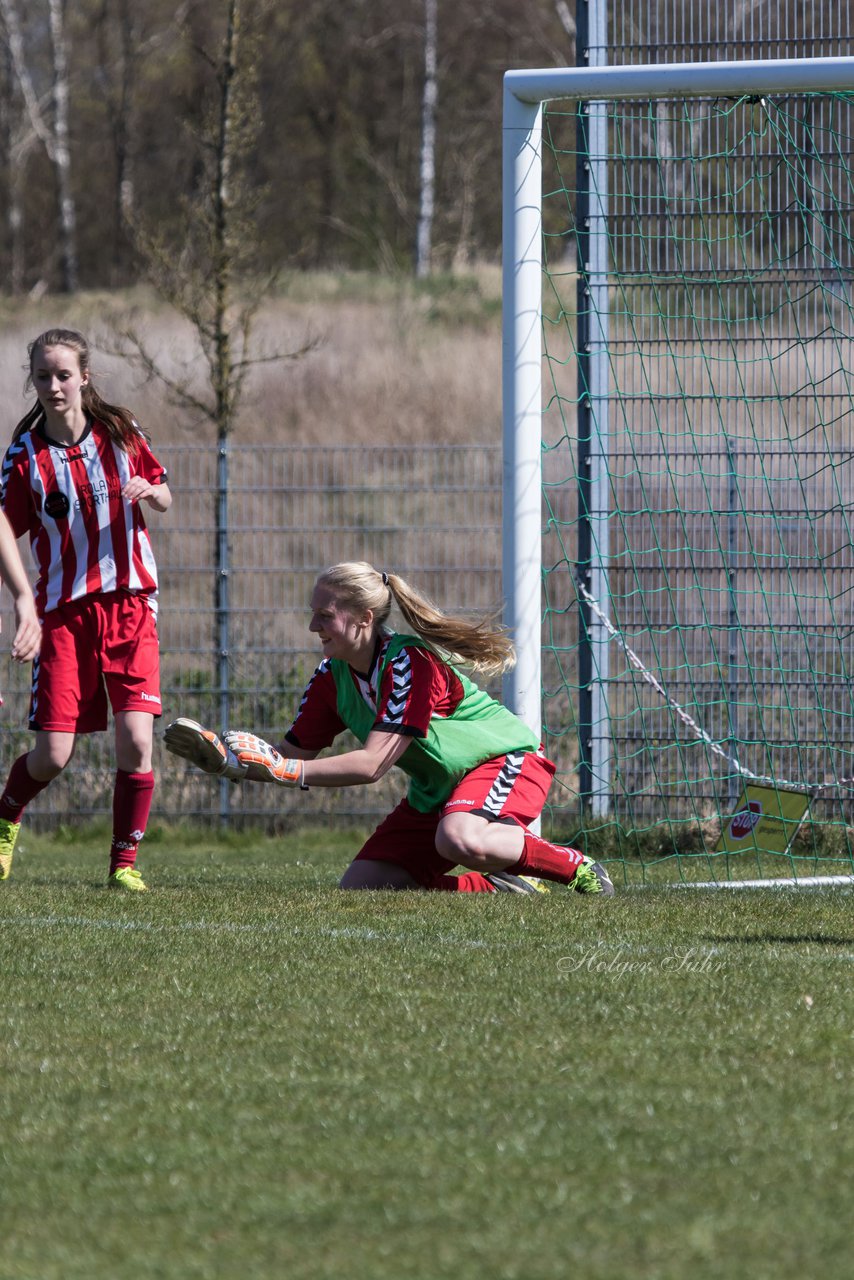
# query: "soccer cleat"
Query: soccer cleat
{"points": [[8, 836], [127, 880], [591, 877], [506, 882], [193, 742]]}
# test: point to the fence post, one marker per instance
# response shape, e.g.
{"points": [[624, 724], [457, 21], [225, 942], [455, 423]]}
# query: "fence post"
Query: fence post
{"points": [[594, 728], [221, 604]]}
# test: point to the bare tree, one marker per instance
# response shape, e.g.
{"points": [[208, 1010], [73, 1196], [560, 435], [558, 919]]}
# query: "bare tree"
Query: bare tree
{"points": [[7, 135], [204, 286], [119, 54], [53, 133], [428, 142], [205, 281], [124, 43], [566, 19], [62, 149]]}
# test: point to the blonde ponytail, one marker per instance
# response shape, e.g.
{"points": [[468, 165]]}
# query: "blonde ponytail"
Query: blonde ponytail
{"points": [[484, 646]]}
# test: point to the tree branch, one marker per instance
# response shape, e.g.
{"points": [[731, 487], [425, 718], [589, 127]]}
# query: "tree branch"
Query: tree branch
{"points": [[9, 14]]}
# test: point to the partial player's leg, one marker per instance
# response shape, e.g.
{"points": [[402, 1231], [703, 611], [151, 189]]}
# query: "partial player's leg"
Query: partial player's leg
{"points": [[401, 854], [29, 775], [365, 874], [484, 826], [498, 850], [133, 792], [130, 661]]}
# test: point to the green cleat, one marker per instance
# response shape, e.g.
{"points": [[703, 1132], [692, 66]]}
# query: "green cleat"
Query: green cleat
{"points": [[506, 882], [127, 880], [8, 836], [591, 877]]}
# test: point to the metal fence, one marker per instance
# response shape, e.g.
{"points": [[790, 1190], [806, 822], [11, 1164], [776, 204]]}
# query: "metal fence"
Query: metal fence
{"points": [[648, 31], [731, 499], [432, 513]]}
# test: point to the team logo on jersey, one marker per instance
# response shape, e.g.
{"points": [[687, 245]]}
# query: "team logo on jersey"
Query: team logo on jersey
{"points": [[56, 505]]}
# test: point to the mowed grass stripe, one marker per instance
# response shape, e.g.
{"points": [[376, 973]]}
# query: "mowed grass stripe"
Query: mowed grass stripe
{"points": [[595, 955], [250, 1074]]}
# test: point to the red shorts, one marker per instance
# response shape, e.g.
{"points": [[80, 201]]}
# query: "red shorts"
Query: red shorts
{"points": [[511, 789], [103, 645]]}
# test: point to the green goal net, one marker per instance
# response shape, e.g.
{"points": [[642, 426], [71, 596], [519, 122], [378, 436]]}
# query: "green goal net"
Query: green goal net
{"points": [[699, 596]]}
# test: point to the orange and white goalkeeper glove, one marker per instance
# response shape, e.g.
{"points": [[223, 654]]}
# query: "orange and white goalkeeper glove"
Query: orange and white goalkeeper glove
{"points": [[263, 762], [193, 742]]}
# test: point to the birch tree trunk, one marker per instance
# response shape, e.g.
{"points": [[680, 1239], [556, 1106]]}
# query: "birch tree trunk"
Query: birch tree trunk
{"points": [[7, 97], [120, 51], [424, 239], [15, 45], [55, 136], [223, 372], [566, 19], [62, 150], [124, 175], [19, 108]]}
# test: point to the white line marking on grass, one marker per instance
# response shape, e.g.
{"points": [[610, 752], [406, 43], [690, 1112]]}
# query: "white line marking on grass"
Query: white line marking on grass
{"points": [[784, 882]]}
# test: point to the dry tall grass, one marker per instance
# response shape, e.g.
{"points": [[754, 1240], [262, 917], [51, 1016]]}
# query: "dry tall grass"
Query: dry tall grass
{"points": [[392, 362]]}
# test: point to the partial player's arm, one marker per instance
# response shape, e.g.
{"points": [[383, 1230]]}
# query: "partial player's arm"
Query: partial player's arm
{"points": [[414, 687], [28, 632], [366, 764], [138, 489], [148, 483], [242, 755]]}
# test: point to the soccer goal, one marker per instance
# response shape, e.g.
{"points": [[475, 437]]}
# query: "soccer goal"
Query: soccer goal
{"points": [[679, 457]]}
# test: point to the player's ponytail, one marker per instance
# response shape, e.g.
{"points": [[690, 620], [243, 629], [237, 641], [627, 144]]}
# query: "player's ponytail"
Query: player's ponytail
{"points": [[484, 645]]}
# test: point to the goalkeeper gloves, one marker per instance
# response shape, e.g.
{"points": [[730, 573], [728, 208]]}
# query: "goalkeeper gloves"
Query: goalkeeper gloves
{"points": [[192, 741], [261, 762]]}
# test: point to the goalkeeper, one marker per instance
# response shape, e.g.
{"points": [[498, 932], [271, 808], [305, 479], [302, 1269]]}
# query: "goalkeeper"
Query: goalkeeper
{"points": [[477, 775]]}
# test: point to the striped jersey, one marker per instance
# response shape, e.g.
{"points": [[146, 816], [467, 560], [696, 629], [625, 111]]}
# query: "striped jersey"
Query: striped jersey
{"points": [[85, 538], [411, 690]]}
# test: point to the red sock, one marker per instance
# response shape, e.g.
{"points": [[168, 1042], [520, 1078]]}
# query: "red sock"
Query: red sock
{"points": [[471, 882], [20, 789], [546, 861], [131, 806]]}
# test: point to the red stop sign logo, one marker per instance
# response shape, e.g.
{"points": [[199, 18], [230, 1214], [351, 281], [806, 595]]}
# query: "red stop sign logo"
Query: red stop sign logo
{"points": [[745, 820]]}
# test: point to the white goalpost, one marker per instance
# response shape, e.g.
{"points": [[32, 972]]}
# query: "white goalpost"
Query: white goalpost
{"points": [[593, 89]]}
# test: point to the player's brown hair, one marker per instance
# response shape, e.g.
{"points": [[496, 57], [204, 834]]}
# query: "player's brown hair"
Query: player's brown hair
{"points": [[119, 422], [484, 645]]}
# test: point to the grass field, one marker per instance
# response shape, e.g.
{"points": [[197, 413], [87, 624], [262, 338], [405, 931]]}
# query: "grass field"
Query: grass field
{"points": [[248, 1074]]}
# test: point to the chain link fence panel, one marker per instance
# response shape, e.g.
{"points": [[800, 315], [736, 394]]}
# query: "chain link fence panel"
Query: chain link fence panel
{"points": [[430, 513]]}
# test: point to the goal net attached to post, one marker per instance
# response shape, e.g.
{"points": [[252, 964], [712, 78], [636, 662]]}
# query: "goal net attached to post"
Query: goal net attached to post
{"points": [[679, 458]]}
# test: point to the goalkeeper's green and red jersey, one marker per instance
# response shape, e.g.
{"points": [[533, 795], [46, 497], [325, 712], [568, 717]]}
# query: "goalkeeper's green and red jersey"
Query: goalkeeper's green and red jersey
{"points": [[411, 690]]}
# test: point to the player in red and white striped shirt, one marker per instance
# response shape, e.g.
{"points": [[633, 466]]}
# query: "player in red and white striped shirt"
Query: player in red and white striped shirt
{"points": [[73, 479]]}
